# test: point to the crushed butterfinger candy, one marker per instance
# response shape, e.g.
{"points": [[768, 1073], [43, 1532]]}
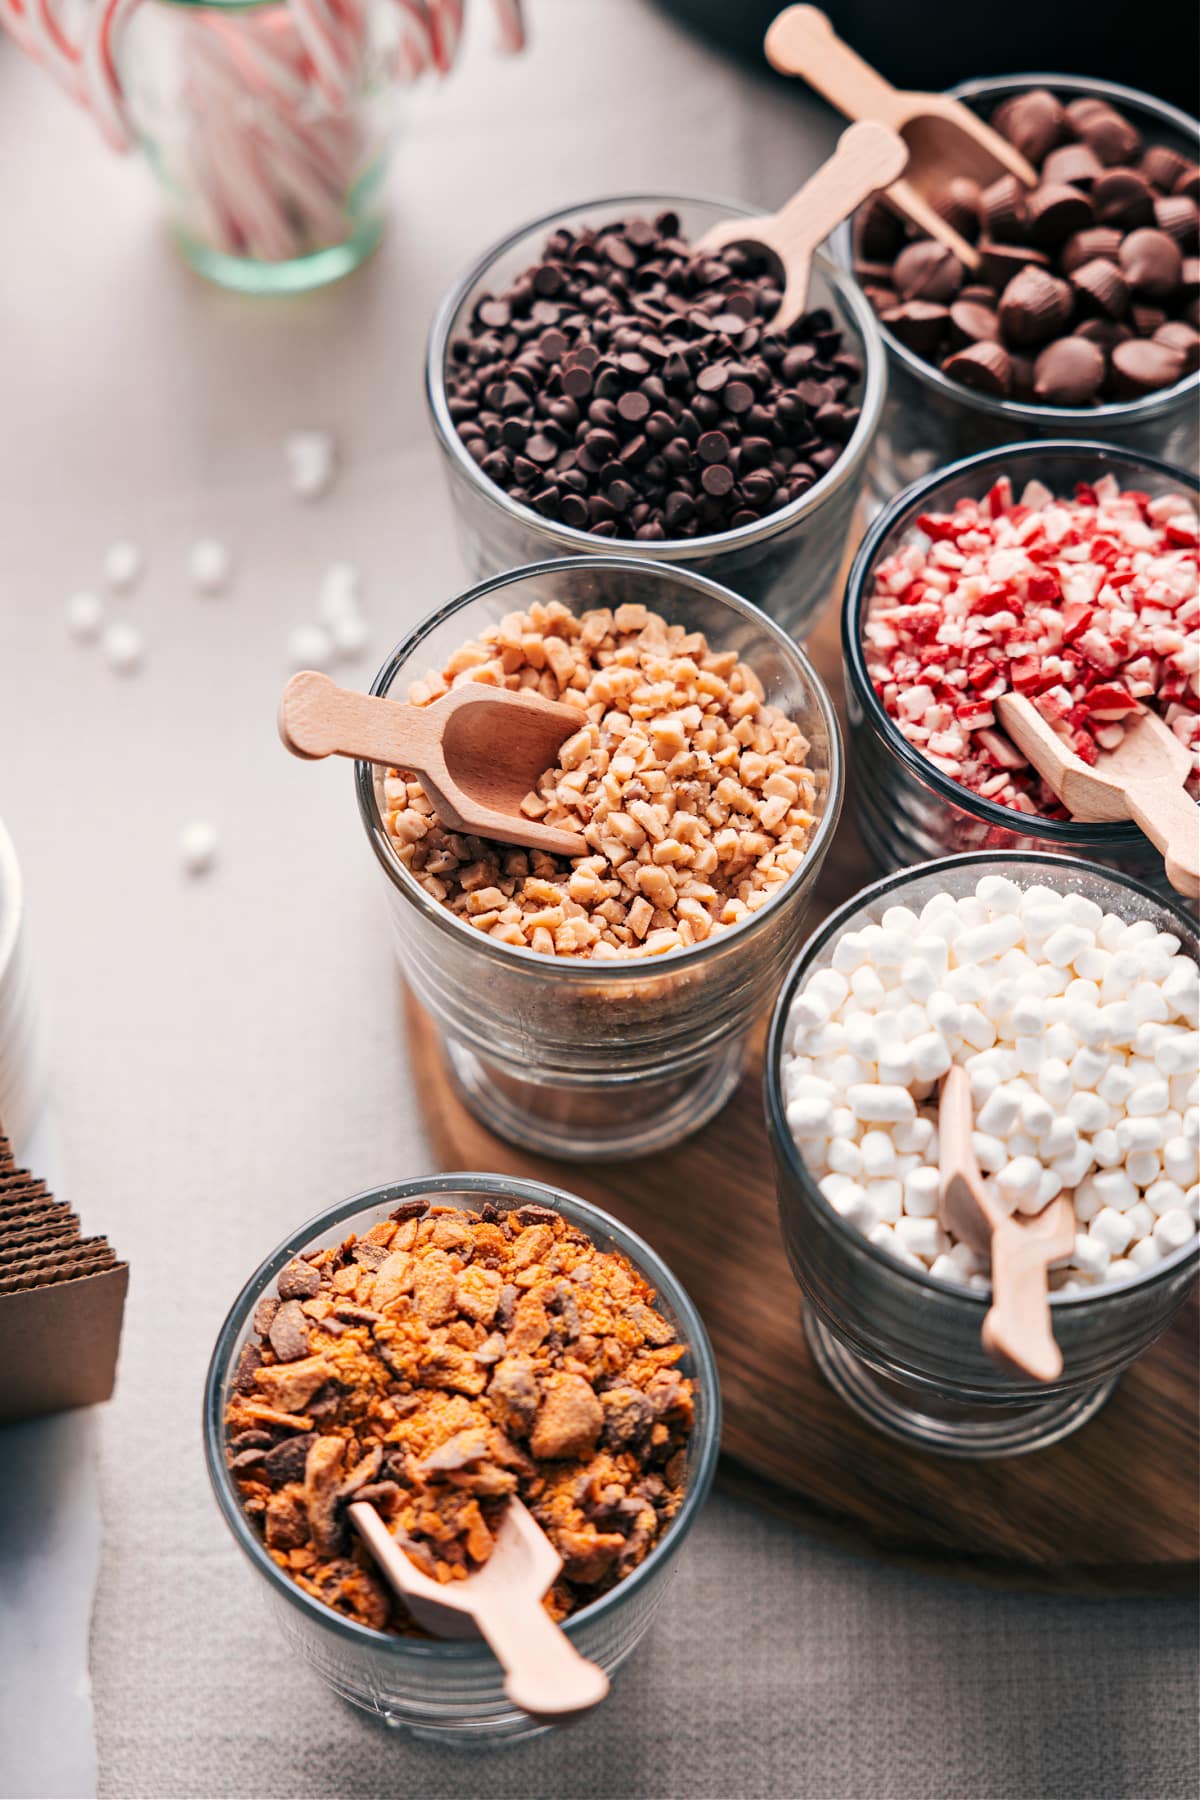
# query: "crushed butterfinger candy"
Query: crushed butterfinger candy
{"points": [[438, 1364]]}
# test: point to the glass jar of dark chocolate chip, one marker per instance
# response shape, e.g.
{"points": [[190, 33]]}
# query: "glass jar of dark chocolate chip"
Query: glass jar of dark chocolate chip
{"points": [[1082, 320], [595, 384]]}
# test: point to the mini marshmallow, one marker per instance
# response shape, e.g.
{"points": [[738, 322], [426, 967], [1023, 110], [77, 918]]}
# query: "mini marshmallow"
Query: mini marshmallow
{"points": [[1163, 1197], [878, 1154], [922, 1191], [350, 636], [1036, 1115], [810, 1116], [887, 1198], [198, 842], [1171, 1231], [1087, 1111], [310, 647], [1019, 1180], [845, 1157], [124, 647], [1177, 1053], [123, 565], [1064, 944], [990, 940], [1143, 1167], [84, 613], [340, 595], [929, 1055], [210, 565], [1110, 1229], [1149, 1097], [1054, 1081], [924, 1237], [1090, 1254], [883, 1105], [311, 459], [990, 1152], [1115, 1189]]}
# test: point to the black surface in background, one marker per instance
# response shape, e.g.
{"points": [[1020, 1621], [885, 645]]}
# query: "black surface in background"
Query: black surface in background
{"points": [[1153, 47]]}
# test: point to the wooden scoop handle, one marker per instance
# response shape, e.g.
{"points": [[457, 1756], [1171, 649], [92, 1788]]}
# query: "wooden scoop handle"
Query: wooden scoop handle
{"points": [[868, 156], [318, 718], [801, 41], [1170, 818], [544, 1673], [1016, 1329]]}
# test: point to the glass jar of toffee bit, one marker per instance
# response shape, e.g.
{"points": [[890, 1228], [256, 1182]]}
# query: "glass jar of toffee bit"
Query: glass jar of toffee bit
{"points": [[932, 418], [678, 429], [571, 1054], [446, 1691]]}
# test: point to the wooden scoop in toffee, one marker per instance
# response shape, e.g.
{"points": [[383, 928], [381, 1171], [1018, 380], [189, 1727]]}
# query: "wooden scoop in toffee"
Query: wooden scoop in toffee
{"points": [[1016, 1330], [868, 156], [943, 136], [478, 750], [544, 1673]]}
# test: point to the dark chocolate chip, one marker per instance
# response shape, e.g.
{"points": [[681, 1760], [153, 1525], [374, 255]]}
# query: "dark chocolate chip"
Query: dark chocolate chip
{"points": [[1123, 198], [1069, 372], [1055, 211], [928, 271], [1032, 122], [1152, 263], [1143, 365], [985, 367], [1034, 307]]}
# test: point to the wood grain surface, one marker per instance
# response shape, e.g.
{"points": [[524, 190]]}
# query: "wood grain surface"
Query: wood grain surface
{"points": [[1114, 1508]]}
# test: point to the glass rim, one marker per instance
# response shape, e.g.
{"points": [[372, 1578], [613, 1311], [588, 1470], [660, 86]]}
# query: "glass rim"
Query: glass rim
{"points": [[784, 1144], [12, 900], [681, 550], [897, 515], [622, 969], [1029, 412], [706, 1436]]}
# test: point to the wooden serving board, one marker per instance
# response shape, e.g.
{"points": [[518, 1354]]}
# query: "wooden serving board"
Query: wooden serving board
{"points": [[1114, 1508]]}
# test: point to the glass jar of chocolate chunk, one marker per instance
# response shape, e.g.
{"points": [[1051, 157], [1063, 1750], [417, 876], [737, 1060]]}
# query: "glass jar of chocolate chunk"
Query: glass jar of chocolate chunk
{"points": [[595, 384], [1082, 319], [435, 1347]]}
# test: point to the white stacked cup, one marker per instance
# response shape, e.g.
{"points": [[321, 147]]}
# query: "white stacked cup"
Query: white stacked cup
{"points": [[22, 1057]]}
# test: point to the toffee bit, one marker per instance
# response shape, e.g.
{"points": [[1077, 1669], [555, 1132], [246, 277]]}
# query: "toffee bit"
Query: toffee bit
{"points": [[452, 1359]]}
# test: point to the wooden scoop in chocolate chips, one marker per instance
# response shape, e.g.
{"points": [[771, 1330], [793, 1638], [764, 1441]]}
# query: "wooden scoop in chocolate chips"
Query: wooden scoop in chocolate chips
{"points": [[478, 751], [868, 157], [944, 138]]}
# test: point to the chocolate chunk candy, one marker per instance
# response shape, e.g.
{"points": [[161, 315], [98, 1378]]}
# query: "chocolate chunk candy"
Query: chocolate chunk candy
{"points": [[513, 1392], [1033, 122], [1034, 307], [322, 1479], [1100, 288], [919, 324], [298, 1280], [1004, 210], [1001, 262], [286, 1462], [971, 322], [1085, 246], [1180, 336], [628, 1416], [1143, 365], [569, 1419], [1069, 373], [1075, 164], [1054, 211], [1152, 263], [264, 1312], [285, 1526], [288, 1334], [289, 1386], [928, 271], [1104, 130], [985, 367], [248, 1363], [1123, 198]]}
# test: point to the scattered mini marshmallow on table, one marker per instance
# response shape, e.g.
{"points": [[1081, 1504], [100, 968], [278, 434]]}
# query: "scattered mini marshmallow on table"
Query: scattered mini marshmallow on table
{"points": [[124, 647], [339, 604], [311, 458], [1089, 606], [1079, 1033], [123, 565], [85, 615], [310, 647], [198, 843], [210, 565]]}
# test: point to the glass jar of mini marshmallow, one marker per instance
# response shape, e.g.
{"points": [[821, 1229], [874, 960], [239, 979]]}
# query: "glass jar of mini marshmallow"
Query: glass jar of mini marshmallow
{"points": [[583, 1058]]}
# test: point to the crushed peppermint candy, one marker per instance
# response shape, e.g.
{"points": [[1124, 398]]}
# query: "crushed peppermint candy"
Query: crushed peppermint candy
{"points": [[1090, 606]]}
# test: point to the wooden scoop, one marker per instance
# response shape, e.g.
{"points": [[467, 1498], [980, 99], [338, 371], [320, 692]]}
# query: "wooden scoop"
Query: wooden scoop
{"points": [[1142, 779], [943, 136], [868, 156], [544, 1673], [478, 750], [1016, 1329]]}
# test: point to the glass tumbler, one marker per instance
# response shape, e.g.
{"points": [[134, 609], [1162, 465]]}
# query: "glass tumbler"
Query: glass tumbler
{"points": [[271, 160], [588, 1059], [930, 420], [453, 1692], [907, 809], [787, 563], [901, 1348]]}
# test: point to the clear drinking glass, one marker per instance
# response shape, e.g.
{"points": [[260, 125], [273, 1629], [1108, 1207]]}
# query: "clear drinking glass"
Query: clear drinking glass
{"points": [[273, 179], [586, 1059], [930, 420], [907, 809], [453, 1692], [901, 1348], [786, 563]]}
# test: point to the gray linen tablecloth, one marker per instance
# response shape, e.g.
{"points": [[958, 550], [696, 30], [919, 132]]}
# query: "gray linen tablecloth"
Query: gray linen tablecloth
{"points": [[229, 1054]]}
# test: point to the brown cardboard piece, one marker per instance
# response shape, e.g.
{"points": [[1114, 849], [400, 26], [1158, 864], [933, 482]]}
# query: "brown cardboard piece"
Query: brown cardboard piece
{"points": [[62, 1299]]}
